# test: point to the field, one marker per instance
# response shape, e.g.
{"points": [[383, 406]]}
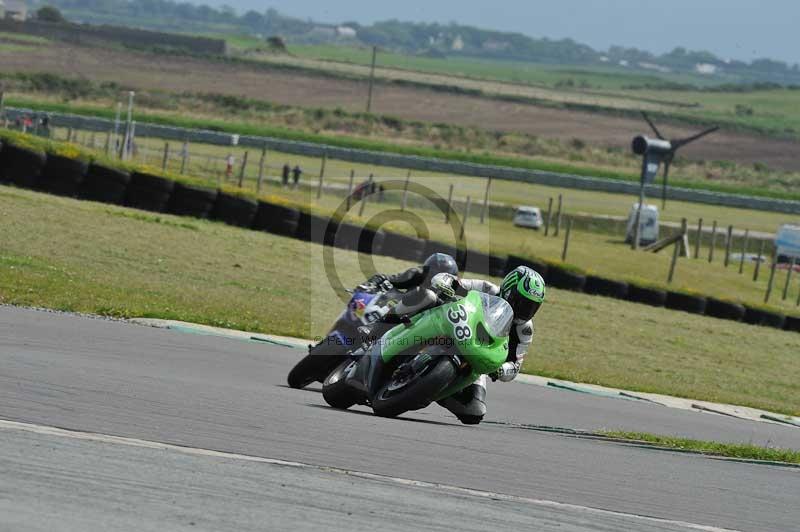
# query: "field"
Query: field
{"points": [[774, 112], [277, 84], [81, 256]]}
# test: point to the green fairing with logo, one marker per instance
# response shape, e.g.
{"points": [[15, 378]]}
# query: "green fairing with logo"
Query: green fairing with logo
{"points": [[483, 351]]}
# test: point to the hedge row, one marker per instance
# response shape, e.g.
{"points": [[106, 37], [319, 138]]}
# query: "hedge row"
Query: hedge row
{"points": [[60, 175]]}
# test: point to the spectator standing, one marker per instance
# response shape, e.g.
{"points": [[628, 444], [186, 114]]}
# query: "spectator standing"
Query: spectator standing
{"points": [[229, 165], [296, 173], [285, 175]]}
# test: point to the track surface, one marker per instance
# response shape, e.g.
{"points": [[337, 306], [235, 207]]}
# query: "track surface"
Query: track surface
{"points": [[228, 395]]}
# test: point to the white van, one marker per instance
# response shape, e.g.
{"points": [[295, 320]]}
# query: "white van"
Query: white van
{"points": [[788, 243], [648, 224], [528, 217]]}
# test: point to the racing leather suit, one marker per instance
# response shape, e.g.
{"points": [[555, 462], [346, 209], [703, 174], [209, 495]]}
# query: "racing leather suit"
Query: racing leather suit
{"points": [[468, 405]]}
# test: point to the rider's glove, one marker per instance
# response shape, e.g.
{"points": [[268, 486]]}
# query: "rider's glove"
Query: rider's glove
{"points": [[444, 284], [505, 373], [378, 279]]}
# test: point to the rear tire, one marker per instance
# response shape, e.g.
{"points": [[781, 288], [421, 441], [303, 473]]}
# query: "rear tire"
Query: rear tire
{"points": [[418, 393], [316, 366], [335, 390]]}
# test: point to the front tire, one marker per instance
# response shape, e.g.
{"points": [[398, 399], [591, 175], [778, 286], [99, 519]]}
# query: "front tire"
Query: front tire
{"points": [[320, 361], [396, 398], [335, 390]]}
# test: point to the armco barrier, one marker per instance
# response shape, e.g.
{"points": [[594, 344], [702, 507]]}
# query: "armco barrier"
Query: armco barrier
{"points": [[425, 164], [155, 193]]}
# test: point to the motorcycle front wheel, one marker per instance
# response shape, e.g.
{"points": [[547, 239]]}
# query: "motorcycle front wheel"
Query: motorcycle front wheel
{"points": [[335, 390], [406, 392]]}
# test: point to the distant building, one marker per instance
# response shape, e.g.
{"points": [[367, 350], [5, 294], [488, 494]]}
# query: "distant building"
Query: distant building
{"points": [[346, 31], [496, 46], [15, 10], [458, 43], [705, 68]]}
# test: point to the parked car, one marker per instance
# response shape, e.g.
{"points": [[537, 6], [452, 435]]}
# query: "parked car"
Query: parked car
{"points": [[788, 243], [528, 217], [648, 224]]}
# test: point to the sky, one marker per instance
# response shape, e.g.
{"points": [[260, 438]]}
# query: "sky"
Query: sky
{"points": [[731, 29]]}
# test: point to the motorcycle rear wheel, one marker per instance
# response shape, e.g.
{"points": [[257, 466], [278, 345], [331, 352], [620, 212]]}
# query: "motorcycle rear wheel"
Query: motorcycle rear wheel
{"points": [[395, 398], [320, 361]]}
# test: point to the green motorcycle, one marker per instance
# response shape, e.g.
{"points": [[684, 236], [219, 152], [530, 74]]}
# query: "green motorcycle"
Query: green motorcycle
{"points": [[431, 356]]}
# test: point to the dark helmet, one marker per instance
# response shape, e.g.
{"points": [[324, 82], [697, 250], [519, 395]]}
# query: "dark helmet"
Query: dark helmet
{"points": [[439, 263], [524, 290]]}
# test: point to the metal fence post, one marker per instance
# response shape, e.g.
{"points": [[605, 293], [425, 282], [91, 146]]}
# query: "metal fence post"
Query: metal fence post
{"points": [[466, 217], [713, 241], [760, 258], [165, 160], [350, 189], [676, 252], [261, 168], [486, 200], [449, 204], [549, 218], [241, 172], [744, 250], [566, 239], [321, 175], [699, 238], [364, 195], [728, 242], [405, 193], [184, 156], [558, 216], [788, 278], [771, 275]]}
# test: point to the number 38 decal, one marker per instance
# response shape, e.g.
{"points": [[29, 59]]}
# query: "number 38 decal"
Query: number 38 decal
{"points": [[459, 320]]}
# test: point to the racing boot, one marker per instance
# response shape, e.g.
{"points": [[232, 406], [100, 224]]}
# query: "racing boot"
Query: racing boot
{"points": [[468, 405]]}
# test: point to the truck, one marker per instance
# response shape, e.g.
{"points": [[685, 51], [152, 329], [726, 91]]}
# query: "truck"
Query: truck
{"points": [[787, 242]]}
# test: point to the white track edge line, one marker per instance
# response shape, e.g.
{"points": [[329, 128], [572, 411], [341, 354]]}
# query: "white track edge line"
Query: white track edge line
{"points": [[194, 451]]}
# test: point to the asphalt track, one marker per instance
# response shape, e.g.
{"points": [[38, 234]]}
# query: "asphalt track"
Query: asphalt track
{"points": [[204, 393]]}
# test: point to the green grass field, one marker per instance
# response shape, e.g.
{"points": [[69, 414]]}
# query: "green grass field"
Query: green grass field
{"points": [[596, 252], [82, 256]]}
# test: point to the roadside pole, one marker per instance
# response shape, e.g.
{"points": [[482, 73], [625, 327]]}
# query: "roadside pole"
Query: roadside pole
{"points": [[184, 156], [638, 219]]}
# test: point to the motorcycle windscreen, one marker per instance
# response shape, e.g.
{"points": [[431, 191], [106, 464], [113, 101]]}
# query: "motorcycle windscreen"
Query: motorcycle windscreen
{"points": [[497, 315]]}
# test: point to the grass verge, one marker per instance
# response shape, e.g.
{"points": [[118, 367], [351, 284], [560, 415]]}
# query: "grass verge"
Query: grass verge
{"points": [[730, 450], [88, 257]]}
